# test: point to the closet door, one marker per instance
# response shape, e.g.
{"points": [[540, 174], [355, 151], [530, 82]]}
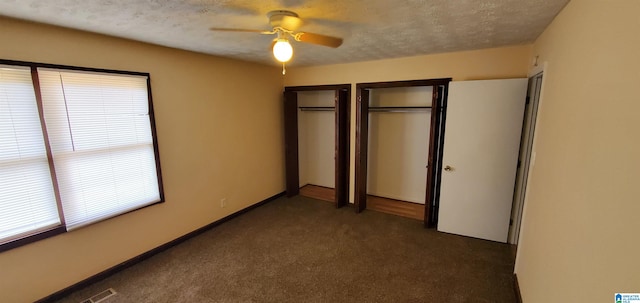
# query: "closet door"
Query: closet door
{"points": [[362, 138], [342, 148], [434, 160], [484, 121], [291, 142]]}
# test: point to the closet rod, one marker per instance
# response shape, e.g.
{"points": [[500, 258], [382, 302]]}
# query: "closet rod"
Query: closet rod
{"points": [[317, 108], [399, 109]]}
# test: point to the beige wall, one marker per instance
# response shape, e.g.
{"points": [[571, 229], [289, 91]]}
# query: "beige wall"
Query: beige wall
{"points": [[496, 63], [217, 139], [580, 229], [579, 239]]}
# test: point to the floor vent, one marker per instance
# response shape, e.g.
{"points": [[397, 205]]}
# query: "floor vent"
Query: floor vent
{"points": [[101, 296]]}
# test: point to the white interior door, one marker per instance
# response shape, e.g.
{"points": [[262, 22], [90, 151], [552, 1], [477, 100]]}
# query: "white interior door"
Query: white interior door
{"points": [[482, 138]]}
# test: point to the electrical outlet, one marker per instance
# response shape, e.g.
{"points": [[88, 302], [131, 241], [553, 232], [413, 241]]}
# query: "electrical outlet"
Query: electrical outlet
{"points": [[223, 202]]}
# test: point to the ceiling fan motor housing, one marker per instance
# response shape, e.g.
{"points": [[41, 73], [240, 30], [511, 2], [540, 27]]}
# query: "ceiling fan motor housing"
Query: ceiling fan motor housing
{"points": [[284, 19]]}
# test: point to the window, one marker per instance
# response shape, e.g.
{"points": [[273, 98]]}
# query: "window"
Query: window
{"points": [[76, 147], [27, 200]]}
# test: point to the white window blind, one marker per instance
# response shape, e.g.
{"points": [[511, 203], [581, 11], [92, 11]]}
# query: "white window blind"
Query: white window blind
{"points": [[100, 136], [27, 199]]}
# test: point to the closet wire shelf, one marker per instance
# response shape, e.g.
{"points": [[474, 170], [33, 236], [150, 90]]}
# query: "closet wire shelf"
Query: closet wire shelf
{"points": [[393, 109], [399, 109], [317, 108]]}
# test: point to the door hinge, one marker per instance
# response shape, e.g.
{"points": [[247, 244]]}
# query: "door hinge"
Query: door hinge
{"points": [[528, 99], [510, 222], [519, 163]]}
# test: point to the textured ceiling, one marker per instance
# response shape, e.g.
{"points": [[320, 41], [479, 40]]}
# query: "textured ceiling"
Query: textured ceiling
{"points": [[372, 29]]}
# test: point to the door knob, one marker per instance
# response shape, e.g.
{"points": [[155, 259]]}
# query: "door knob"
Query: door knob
{"points": [[448, 168]]}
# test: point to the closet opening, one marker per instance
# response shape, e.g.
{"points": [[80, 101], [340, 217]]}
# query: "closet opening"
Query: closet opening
{"points": [[399, 139], [317, 142]]}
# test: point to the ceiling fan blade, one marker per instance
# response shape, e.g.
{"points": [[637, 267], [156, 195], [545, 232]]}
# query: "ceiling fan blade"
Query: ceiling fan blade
{"points": [[240, 30], [319, 39]]}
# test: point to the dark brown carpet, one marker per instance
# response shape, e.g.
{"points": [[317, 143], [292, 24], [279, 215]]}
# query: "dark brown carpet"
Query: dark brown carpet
{"points": [[304, 250]]}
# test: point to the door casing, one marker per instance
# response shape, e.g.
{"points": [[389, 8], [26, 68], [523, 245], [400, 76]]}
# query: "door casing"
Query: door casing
{"points": [[525, 155]]}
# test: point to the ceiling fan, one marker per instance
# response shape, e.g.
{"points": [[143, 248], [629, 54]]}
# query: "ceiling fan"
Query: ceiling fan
{"points": [[284, 24]]}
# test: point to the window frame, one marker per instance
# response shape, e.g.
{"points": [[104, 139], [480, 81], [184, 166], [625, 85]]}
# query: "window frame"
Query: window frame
{"points": [[62, 228]]}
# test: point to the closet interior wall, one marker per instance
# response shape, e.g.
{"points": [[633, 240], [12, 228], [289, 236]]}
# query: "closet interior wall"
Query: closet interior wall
{"points": [[316, 138], [399, 142]]}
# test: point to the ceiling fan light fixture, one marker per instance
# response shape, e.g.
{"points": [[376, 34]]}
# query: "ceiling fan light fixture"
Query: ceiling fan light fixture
{"points": [[282, 50]]}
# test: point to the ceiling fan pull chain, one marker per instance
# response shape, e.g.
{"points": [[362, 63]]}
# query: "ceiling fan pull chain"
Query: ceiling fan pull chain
{"points": [[284, 71]]}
